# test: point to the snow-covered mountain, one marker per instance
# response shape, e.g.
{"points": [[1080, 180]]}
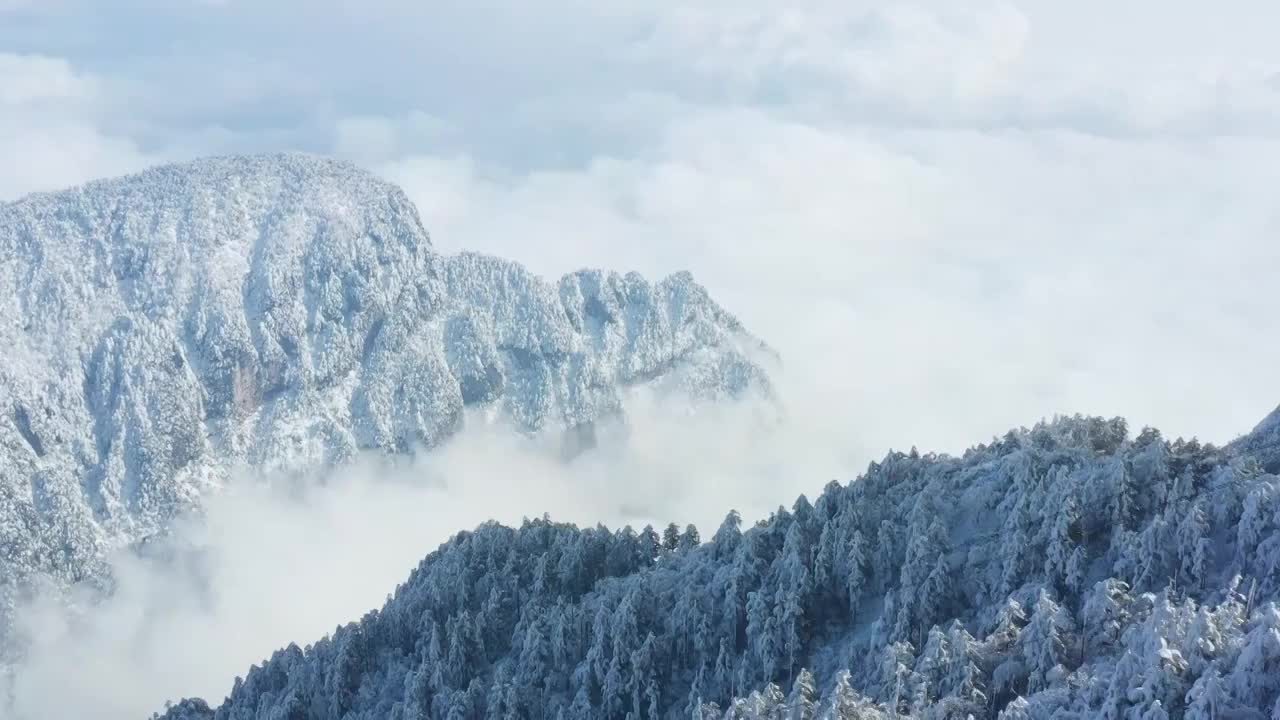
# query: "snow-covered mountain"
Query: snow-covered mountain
{"points": [[1066, 571], [162, 330]]}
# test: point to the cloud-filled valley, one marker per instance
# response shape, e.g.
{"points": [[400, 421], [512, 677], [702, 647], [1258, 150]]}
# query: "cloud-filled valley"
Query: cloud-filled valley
{"points": [[275, 560]]}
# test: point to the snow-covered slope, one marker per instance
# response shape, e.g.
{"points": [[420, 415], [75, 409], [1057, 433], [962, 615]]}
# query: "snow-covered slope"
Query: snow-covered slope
{"points": [[1066, 571], [1263, 442], [286, 312]]}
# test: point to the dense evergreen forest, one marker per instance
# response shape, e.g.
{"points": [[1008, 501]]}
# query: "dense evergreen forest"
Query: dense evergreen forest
{"points": [[1069, 570]]}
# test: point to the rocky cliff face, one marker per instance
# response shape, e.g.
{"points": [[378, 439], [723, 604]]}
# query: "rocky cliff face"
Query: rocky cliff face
{"points": [[283, 313]]}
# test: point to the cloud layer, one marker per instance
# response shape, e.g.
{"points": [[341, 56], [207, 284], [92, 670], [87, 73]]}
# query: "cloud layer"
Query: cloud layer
{"points": [[949, 220]]}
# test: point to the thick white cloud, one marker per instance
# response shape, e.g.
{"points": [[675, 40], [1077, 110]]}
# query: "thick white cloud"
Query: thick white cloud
{"points": [[931, 287], [49, 137], [32, 79]]}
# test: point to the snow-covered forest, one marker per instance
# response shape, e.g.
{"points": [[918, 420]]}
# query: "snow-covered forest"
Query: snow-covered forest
{"points": [[1074, 569]]}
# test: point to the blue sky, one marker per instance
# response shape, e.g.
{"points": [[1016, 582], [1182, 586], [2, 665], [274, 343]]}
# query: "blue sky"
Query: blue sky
{"points": [[950, 218]]}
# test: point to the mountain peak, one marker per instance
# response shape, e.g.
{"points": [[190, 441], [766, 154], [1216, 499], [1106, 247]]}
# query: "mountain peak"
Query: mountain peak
{"points": [[284, 171]]}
